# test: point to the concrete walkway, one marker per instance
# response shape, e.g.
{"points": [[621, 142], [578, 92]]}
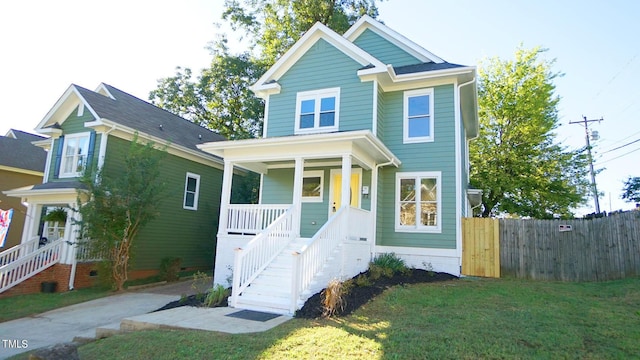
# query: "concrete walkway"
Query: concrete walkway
{"points": [[123, 312]]}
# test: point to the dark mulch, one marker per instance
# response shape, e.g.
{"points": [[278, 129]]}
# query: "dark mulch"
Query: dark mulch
{"points": [[360, 295]]}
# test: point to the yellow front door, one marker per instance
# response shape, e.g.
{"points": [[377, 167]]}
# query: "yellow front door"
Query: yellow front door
{"points": [[336, 189]]}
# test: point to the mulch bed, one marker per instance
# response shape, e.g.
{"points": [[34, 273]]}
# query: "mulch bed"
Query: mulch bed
{"points": [[357, 296], [360, 295]]}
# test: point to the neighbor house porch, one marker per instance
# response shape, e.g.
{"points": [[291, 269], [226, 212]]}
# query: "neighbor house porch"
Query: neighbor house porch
{"points": [[315, 219]]}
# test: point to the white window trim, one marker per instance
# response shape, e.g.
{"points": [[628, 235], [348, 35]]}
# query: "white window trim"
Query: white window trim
{"points": [[197, 192], [419, 228], [314, 173], [63, 159], [317, 95], [405, 116]]}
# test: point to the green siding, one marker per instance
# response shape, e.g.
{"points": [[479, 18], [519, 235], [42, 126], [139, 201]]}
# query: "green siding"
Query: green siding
{"points": [[438, 155], [176, 232], [323, 66], [384, 50], [278, 189], [73, 124], [381, 108]]}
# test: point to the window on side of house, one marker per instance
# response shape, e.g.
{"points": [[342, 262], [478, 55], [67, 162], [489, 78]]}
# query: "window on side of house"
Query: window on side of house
{"points": [[191, 191], [312, 186], [418, 202], [317, 111], [418, 116], [74, 154]]}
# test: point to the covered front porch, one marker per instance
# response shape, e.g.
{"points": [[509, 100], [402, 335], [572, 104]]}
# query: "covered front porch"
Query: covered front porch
{"points": [[315, 219]]}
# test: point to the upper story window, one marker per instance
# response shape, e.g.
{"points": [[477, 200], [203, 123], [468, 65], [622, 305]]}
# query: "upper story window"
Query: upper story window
{"points": [[418, 116], [312, 185], [317, 111], [191, 191], [74, 154], [418, 202]]}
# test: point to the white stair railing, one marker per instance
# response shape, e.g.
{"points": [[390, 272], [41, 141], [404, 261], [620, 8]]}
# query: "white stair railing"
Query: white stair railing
{"points": [[26, 266], [251, 260], [17, 251], [346, 224], [252, 218]]}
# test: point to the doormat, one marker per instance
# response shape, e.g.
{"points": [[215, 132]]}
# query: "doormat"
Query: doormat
{"points": [[253, 315]]}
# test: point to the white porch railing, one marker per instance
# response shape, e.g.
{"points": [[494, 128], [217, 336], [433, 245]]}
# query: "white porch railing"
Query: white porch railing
{"points": [[26, 266], [84, 253], [260, 251], [345, 224], [252, 219], [17, 251]]}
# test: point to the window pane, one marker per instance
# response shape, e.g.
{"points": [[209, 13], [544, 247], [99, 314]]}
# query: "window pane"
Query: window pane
{"points": [[311, 187], [428, 189], [328, 104], [80, 163], [419, 127], [407, 190], [189, 199], [407, 213], [306, 121], [191, 184], [327, 119], [83, 145], [418, 105], [71, 147], [307, 106], [429, 214]]}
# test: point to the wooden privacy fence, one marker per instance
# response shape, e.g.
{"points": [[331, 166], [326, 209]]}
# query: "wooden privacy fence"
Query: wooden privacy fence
{"points": [[569, 250]]}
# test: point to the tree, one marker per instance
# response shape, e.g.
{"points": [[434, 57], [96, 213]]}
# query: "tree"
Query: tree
{"points": [[631, 190], [515, 160], [118, 205], [275, 25], [219, 98]]}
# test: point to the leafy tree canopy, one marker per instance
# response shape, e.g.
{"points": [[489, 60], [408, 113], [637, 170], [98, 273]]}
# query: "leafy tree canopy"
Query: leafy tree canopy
{"points": [[631, 190], [515, 160]]}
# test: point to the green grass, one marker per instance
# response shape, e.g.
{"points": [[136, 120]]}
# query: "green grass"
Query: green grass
{"points": [[25, 305], [465, 319]]}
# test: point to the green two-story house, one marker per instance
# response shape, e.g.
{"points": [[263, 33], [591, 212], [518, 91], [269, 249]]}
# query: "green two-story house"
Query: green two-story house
{"points": [[364, 152], [88, 128]]}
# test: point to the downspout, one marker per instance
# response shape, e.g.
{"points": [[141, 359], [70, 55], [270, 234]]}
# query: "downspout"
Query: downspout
{"points": [[374, 202]]}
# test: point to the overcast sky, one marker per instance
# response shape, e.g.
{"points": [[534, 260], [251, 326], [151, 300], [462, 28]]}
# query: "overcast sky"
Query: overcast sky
{"points": [[48, 45]]}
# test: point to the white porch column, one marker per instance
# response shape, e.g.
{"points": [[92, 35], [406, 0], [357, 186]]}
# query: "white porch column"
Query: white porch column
{"points": [[297, 195], [225, 197], [346, 195]]}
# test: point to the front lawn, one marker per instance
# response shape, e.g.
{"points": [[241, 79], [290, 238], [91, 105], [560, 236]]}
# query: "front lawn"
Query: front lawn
{"points": [[463, 319]]}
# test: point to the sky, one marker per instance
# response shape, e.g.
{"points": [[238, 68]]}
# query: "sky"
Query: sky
{"points": [[45, 46]]}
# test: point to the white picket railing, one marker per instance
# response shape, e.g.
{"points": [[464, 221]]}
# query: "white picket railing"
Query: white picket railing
{"points": [[345, 224], [260, 251], [26, 266], [17, 251], [252, 218], [84, 253]]}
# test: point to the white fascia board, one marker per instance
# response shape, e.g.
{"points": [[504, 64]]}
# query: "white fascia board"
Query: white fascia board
{"points": [[127, 133], [21, 171], [390, 81], [367, 22], [28, 192], [317, 32], [102, 89], [263, 91], [62, 108], [44, 143]]}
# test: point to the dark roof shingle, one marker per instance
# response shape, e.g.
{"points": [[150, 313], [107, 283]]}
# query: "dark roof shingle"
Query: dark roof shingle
{"points": [[21, 154], [423, 67]]}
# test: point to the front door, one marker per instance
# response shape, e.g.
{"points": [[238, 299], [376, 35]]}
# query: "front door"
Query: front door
{"points": [[335, 189]]}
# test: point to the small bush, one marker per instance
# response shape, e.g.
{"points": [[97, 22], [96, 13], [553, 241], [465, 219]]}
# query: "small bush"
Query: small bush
{"points": [[215, 296], [392, 262], [363, 280], [333, 297], [169, 268], [201, 283]]}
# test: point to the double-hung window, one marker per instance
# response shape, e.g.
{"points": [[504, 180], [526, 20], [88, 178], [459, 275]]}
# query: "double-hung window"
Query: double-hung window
{"points": [[191, 191], [317, 111], [418, 116], [74, 154], [312, 185], [418, 202]]}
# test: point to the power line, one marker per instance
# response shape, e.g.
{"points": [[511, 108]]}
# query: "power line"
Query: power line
{"points": [[585, 123], [621, 146], [619, 156]]}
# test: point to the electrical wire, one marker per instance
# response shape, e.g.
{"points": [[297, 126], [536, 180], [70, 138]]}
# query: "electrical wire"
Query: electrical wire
{"points": [[621, 146], [619, 156]]}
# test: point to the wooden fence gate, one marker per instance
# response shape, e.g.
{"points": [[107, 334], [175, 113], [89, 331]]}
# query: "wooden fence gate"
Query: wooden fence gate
{"points": [[481, 247]]}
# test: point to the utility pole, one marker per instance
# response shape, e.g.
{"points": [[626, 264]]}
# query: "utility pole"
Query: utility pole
{"points": [[594, 188]]}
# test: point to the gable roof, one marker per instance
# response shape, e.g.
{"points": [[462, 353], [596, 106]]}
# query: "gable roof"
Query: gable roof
{"points": [[21, 154], [22, 135], [367, 22], [113, 105]]}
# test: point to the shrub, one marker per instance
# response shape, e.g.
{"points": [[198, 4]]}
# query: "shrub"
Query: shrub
{"points": [[215, 296], [333, 296], [363, 280], [169, 268], [387, 264]]}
